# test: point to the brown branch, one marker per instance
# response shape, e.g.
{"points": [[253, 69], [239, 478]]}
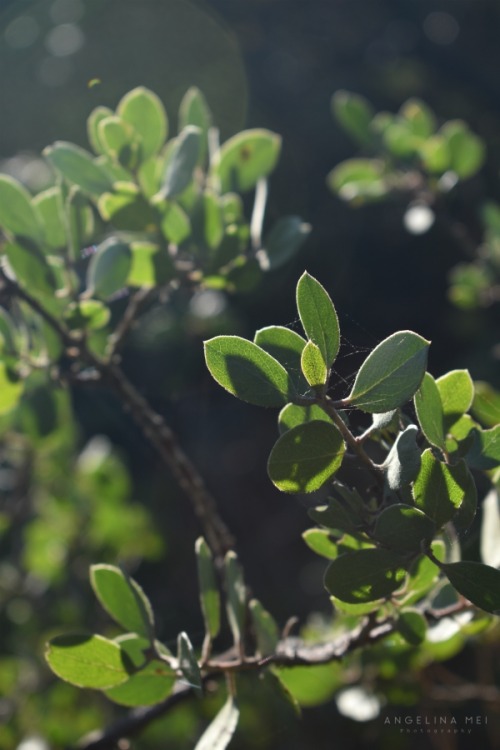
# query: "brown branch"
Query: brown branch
{"points": [[128, 321], [151, 423], [290, 652]]}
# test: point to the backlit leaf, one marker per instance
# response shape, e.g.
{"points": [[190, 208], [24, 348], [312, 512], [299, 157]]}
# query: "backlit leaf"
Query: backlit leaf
{"points": [[365, 575], [391, 373], [247, 371], [306, 457], [123, 599], [221, 730], [441, 489], [182, 162], [209, 590], [143, 110], [403, 528], [318, 317], [245, 159], [429, 408], [77, 166], [88, 661], [17, 214]]}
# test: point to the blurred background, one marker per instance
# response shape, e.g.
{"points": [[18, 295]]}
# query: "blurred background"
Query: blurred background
{"points": [[273, 64]]}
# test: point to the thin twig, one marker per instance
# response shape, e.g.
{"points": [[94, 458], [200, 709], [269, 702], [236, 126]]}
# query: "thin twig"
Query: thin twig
{"points": [[151, 423], [128, 320]]}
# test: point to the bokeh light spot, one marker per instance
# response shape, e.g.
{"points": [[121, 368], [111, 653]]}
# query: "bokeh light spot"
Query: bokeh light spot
{"points": [[441, 28], [64, 40], [22, 32]]}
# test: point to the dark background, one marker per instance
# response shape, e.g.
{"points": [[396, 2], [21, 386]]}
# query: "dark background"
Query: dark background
{"points": [[274, 64]]}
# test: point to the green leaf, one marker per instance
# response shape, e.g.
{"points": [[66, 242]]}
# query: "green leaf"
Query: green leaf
{"points": [[364, 575], [77, 166], [391, 373], [423, 574], [213, 220], [109, 268], [441, 489], [127, 211], [88, 314], [358, 179], [403, 462], [429, 409], [247, 371], [456, 390], [151, 265], [95, 117], [188, 663], [312, 685], [175, 224], [486, 404], [236, 596], [485, 451], [419, 116], [11, 388], [182, 162], [209, 590], [479, 583], [293, 415], [313, 366], [467, 151], [320, 541], [88, 661], [283, 242], [31, 268], [286, 347], [306, 457], [194, 110], [152, 682], [435, 154], [412, 625], [356, 610], [18, 216], [245, 159], [123, 599], [50, 209], [403, 528], [265, 628], [80, 222], [354, 113], [143, 110], [337, 516], [318, 317], [221, 730], [117, 138]]}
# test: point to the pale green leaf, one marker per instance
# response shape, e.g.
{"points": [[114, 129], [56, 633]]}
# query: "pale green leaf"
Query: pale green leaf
{"points": [[123, 599], [318, 317]]}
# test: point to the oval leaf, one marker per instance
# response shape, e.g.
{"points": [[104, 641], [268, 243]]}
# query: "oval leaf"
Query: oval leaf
{"points": [[143, 110], [292, 415], [391, 373], [109, 268], [152, 682], [286, 346], [412, 625], [403, 462], [313, 366], [247, 371], [441, 489], [88, 661], [364, 575], [182, 162], [283, 241], [17, 214], [479, 583], [265, 628], [209, 590], [306, 457], [123, 599], [403, 528], [245, 159], [319, 317], [77, 166], [429, 409]]}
